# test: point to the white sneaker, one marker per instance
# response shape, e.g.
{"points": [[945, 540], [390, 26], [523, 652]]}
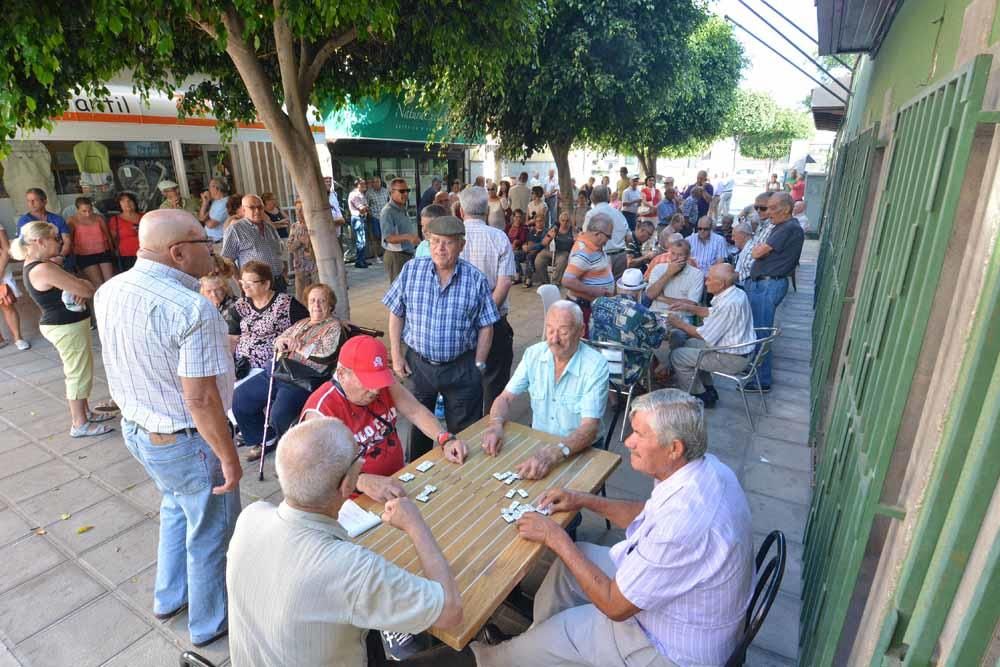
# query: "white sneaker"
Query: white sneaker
{"points": [[22, 344]]}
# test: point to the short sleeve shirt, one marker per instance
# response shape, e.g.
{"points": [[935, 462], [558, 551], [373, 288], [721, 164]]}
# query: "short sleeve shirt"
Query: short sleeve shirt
{"points": [[786, 241], [688, 284], [53, 218], [590, 265], [394, 220]]}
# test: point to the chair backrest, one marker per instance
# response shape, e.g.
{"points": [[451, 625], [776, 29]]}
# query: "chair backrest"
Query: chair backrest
{"points": [[765, 337], [614, 353], [550, 294], [768, 581]]}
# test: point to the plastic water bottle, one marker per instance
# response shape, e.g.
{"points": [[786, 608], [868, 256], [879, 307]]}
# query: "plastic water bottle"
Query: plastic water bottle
{"points": [[439, 407], [70, 302]]}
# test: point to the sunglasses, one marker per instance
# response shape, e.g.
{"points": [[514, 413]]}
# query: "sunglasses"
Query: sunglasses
{"points": [[760, 208], [405, 191]]}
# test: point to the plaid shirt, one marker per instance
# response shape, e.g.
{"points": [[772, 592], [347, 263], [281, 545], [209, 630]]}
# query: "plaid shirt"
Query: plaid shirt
{"points": [[377, 199], [441, 323], [244, 242], [156, 328], [619, 319], [488, 249], [744, 262], [707, 253]]}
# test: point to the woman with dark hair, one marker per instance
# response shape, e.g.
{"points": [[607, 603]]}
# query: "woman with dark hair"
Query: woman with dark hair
{"points": [[234, 209], [91, 243], [124, 229], [563, 236], [537, 208], [260, 316], [518, 234]]}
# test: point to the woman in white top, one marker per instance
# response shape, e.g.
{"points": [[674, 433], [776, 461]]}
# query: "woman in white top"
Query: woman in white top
{"points": [[499, 208]]}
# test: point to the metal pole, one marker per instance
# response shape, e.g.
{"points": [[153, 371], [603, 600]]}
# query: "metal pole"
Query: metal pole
{"points": [[795, 46], [780, 55], [804, 33]]}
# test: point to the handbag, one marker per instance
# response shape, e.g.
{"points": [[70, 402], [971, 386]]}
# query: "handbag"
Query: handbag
{"points": [[300, 375]]}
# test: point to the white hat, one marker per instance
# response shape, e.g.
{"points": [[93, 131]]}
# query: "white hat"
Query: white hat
{"points": [[163, 186], [631, 281]]}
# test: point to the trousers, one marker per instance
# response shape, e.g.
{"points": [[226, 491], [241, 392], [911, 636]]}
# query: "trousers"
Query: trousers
{"points": [[765, 297], [461, 386], [683, 359]]}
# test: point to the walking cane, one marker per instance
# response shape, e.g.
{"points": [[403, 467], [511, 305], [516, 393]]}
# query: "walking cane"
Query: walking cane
{"points": [[267, 417]]}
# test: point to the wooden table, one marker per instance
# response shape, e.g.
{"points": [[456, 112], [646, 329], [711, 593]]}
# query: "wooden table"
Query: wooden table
{"points": [[486, 556]]}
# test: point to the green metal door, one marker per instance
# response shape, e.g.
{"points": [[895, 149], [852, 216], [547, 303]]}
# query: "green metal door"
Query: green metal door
{"points": [[929, 153]]}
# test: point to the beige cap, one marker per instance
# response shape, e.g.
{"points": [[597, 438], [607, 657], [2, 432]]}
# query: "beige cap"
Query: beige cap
{"points": [[163, 186]]}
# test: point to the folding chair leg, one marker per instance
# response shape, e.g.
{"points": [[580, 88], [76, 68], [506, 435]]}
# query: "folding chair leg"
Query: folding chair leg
{"points": [[611, 428], [628, 402], [604, 492], [746, 406]]}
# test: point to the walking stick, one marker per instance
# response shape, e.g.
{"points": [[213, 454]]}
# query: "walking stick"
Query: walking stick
{"points": [[267, 417]]}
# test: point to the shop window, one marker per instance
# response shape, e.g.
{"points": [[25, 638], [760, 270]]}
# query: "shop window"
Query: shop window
{"points": [[202, 163]]}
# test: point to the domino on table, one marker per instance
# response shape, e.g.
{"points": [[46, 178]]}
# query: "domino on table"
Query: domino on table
{"points": [[407, 477], [509, 494], [425, 466], [522, 493]]}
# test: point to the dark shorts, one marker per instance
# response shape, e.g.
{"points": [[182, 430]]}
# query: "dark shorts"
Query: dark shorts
{"points": [[83, 261]]}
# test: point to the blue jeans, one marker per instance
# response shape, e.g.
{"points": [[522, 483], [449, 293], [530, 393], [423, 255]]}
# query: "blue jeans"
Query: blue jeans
{"points": [[765, 296], [630, 218], [195, 527], [250, 400], [360, 240]]}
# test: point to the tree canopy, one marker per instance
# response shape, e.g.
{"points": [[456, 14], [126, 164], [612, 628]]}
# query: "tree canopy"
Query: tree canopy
{"points": [[762, 130], [249, 59]]}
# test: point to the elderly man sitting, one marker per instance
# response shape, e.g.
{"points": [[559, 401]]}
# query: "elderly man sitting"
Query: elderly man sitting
{"points": [[728, 322], [674, 591], [300, 592], [623, 319], [568, 386]]}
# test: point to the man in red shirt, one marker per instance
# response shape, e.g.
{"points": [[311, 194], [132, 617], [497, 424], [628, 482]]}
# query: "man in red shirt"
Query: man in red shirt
{"points": [[365, 396]]}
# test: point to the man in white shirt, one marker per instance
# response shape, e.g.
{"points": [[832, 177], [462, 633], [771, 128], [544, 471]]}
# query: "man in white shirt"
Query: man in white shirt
{"points": [[615, 247], [728, 322], [357, 202], [631, 198], [300, 592], [675, 590], [674, 282], [520, 194], [724, 191], [552, 197]]}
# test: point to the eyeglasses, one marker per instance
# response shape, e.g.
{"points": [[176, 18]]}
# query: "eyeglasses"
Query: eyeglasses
{"points": [[704, 229], [254, 208], [405, 191], [207, 242], [760, 208], [252, 282]]}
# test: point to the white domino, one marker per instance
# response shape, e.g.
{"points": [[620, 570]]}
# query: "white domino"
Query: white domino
{"points": [[407, 477], [500, 476], [423, 498], [513, 506], [510, 480], [425, 466], [545, 511], [509, 494], [429, 488], [522, 493], [509, 518]]}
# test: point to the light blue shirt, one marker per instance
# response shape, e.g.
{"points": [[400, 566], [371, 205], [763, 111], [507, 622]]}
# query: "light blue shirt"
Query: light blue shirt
{"points": [[423, 250], [581, 393]]}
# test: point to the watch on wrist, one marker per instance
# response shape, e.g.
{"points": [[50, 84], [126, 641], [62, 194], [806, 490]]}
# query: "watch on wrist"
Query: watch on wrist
{"points": [[563, 449], [481, 365], [445, 437]]}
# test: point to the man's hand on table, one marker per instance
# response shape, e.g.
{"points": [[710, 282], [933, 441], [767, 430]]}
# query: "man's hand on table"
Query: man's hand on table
{"points": [[379, 488], [402, 514], [493, 439], [539, 528], [561, 500], [539, 464], [455, 451]]}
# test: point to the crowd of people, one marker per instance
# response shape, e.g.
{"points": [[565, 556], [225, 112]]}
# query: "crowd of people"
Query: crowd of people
{"points": [[196, 317]]}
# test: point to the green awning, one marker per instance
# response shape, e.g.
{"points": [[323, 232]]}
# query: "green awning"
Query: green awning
{"points": [[389, 119]]}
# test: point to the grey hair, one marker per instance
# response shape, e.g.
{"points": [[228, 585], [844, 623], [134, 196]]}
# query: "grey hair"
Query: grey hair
{"points": [[744, 228], [675, 415], [221, 184], [474, 201], [601, 193], [313, 457], [785, 200], [571, 308], [602, 219], [762, 196]]}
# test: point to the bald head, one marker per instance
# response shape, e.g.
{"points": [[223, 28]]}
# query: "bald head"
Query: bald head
{"points": [[313, 460], [724, 273], [162, 228]]}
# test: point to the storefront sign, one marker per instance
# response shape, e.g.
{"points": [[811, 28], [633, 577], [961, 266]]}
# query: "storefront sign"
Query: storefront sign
{"points": [[388, 118]]}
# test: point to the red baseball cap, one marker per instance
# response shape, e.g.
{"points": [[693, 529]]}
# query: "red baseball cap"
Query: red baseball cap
{"points": [[369, 360]]}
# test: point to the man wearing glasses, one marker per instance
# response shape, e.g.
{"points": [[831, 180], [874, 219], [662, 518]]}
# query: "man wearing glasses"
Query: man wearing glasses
{"points": [[254, 238], [399, 234], [300, 591], [588, 273], [365, 396], [762, 230], [707, 247]]}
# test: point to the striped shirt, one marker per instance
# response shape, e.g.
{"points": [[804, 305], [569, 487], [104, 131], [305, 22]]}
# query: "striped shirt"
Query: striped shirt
{"points": [[590, 265], [729, 321], [441, 323], [687, 563], [488, 249], [156, 328], [709, 252], [246, 242], [744, 262]]}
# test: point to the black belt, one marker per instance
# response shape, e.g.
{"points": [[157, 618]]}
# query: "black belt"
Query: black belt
{"points": [[762, 278], [187, 430], [441, 363], [615, 252]]}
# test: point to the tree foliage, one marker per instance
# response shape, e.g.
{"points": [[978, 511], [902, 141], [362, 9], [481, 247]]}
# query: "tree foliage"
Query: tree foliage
{"points": [[763, 130], [251, 59], [684, 118]]}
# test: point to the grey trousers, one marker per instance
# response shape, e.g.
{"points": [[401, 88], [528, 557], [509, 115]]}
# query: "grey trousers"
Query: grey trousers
{"points": [[683, 359], [568, 630]]}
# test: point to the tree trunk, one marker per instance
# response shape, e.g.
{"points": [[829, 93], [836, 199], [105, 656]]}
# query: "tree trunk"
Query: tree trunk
{"points": [[647, 162], [560, 152]]}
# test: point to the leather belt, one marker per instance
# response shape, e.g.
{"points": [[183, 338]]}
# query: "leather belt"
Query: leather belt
{"points": [[762, 278], [615, 252]]}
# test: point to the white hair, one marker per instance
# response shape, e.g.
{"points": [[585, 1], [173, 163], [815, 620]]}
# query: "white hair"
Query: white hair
{"points": [[743, 228], [601, 193], [571, 308], [675, 415], [312, 459], [474, 201]]}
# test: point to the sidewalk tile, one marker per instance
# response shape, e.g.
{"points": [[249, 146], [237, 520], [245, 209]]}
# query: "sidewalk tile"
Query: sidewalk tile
{"points": [[63, 589], [778, 482], [22, 458], [12, 527], [139, 588], [123, 475], [146, 495], [767, 514], [107, 518], [26, 559], [35, 480], [127, 554], [780, 632], [152, 649], [67, 498], [777, 452]]}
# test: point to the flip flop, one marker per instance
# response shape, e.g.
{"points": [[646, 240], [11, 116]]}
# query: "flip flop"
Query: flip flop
{"points": [[104, 406], [97, 417], [88, 430]]}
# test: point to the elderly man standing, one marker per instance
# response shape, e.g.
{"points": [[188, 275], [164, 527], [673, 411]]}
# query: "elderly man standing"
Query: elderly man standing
{"points": [[728, 322], [552, 197], [254, 238], [567, 383], [172, 198], [615, 246], [170, 371], [520, 194], [357, 203], [774, 260], [675, 590], [588, 273], [212, 212], [707, 247], [442, 308], [631, 198], [427, 198], [703, 195], [761, 230], [488, 249], [301, 593], [399, 235], [378, 197]]}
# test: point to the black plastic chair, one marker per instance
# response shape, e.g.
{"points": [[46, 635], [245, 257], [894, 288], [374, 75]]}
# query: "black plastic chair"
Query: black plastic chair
{"points": [[765, 590], [192, 659]]}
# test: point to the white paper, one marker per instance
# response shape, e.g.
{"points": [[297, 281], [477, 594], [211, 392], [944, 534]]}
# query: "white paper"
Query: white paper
{"points": [[356, 520]]}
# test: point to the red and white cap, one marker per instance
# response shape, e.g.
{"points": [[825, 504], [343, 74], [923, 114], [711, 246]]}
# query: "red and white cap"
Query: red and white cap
{"points": [[369, 360]]}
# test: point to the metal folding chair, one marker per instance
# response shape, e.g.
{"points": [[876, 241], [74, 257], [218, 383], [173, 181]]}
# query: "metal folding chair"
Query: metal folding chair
{"points": [[767, 581], [618, 384], [749, 376], [192, 659]]}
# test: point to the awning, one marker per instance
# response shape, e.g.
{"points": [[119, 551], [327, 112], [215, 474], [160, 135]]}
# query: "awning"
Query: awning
{"points": [[387, 119], [853, 26], [828, 111]]}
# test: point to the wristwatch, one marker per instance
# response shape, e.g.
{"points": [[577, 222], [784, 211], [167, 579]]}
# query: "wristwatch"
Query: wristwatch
{"points": [[481, 365], [564, 449], [445, 437]]}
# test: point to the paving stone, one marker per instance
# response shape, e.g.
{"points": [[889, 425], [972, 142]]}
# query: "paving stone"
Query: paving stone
{"points": [[45, 425], [100, 454], [22, 458], [780, 632], [12, 527], [776, 428], [139, 588], [19, 397], [36, 480], [24, 369], [124, 474], [758, 657], [45, 599], [27, 558], [778, 482], [152, 649], [67, 498], [146, 495], [108, 518], [88, 637], [768, 513], [64, 444], [12, 439], [778, 452], [7, 658], [127, 554]]}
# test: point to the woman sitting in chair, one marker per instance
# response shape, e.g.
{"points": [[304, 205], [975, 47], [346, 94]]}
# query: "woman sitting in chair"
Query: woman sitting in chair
{"points": [[308, 354]]}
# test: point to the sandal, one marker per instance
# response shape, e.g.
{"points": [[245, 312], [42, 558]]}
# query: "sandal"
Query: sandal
{"points": [[104, 406], [97, 417], [88, 430]]}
